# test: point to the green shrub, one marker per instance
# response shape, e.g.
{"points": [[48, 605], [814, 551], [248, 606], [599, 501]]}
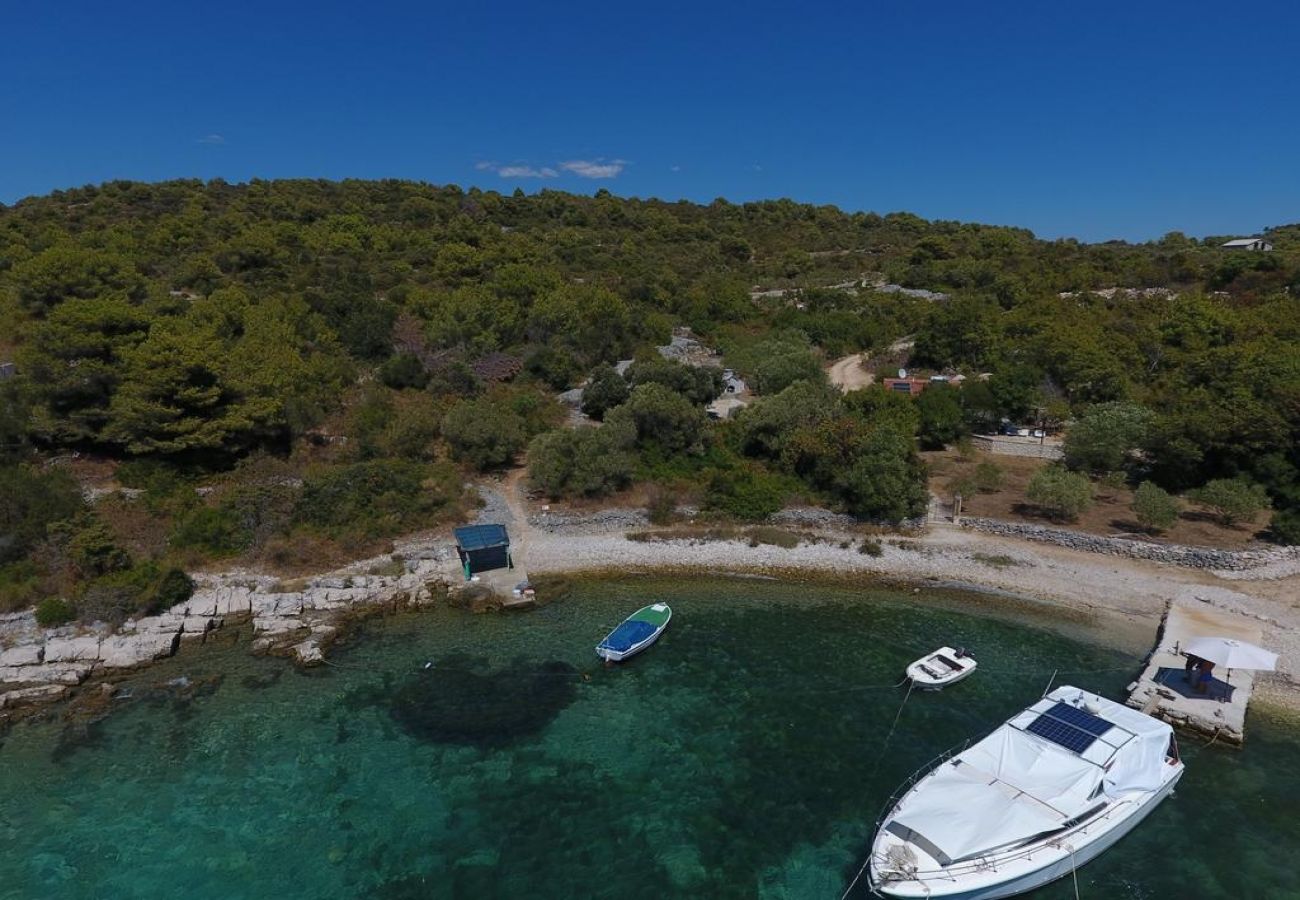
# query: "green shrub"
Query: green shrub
{"points": [[605, 390], [30, 502], [985, 478], [172, 587], [213, 531], [870, 547], [746, 493], [942, 419], [376, 498], [403, 371], [54, 611], [1113, 482], [1154, 507], [696, 383], [582, 462], [484, 432], [661, 417], [94, 551], [1233, 500], [1285, 527], [1061, 493], [1106, 436], [20, 585]]}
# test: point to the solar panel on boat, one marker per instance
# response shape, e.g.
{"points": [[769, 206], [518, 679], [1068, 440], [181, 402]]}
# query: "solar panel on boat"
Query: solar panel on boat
{"points": [[1070, 727]]}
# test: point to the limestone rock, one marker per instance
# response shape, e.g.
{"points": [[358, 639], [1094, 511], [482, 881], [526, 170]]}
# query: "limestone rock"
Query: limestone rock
{"points": [[47, 673], [308, 653], [22, 655], [123, 651], [72, 649], [232, 600], [42, 693], [273, 625], [165, 623], [196, 627]]}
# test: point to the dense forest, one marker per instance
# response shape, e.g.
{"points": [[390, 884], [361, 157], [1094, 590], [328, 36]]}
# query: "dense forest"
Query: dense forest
{"points": [[287, 371]]}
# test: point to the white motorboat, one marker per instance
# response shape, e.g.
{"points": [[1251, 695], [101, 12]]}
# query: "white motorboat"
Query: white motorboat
{"points": [[1046, 792], [941, 668]]}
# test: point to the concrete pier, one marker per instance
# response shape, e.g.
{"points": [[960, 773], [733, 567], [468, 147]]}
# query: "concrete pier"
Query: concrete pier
{"points": [[1161, 690]]}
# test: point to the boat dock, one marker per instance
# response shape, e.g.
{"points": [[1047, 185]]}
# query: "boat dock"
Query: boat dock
{"points": [[1161, 690]]}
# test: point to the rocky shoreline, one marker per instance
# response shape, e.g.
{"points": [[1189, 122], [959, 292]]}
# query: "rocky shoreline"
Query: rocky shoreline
{"points": [[297, 619]]}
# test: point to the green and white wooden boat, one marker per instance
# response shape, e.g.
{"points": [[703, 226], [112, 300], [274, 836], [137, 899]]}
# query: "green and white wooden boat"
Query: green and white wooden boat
{"points": [[638, 631]]}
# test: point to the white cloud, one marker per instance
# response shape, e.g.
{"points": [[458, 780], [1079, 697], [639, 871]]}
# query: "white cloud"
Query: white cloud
{"points": [[211, 139], [674, 168], [517, 170], [598, 168]]}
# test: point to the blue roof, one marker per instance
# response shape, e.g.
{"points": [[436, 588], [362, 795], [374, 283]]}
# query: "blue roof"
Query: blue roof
{"points": [[481, 537], [1069, 727]]}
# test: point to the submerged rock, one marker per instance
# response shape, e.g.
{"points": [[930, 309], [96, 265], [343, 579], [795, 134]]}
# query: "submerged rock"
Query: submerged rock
{"points": [[455, 704]]}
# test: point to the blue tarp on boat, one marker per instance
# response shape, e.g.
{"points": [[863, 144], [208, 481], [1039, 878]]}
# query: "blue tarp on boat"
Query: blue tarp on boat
{"points": [[627, 636]]}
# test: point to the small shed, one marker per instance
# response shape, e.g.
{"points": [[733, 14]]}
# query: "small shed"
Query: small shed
{"points": [[483, 547], [1255, 243]]}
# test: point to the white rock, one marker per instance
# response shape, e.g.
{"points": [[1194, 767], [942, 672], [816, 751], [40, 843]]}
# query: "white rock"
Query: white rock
{"points": [[169, 623], [22, 655], [122, 651], [277, 624], [196, 626], [47, 673], [38, 694], [72, 649], [308, 653]]}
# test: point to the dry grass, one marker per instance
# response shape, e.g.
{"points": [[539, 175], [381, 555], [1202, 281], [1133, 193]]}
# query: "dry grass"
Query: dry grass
{"points": [[1110, 514], [755, 536]]}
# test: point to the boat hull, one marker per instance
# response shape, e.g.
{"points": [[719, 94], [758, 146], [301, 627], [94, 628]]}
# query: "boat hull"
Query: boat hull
{"points": [[925, 683], [619, 645], [1032, 880], [939, 669], [610, 655]]}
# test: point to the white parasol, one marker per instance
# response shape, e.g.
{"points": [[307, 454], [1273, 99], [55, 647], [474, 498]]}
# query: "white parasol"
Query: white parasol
{"points": [[1231, 653]]}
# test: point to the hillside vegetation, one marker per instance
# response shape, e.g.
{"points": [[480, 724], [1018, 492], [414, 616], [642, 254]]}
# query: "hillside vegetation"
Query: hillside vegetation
{"points": [[326, 362]]}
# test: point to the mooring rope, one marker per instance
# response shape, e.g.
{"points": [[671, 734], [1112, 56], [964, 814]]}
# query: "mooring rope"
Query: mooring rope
{"points": [[880, 754], [1074, 871]]}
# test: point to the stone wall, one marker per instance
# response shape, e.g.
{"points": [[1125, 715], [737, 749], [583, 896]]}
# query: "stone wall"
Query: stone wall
{"points": [[1174, 554], [1012, 446]]}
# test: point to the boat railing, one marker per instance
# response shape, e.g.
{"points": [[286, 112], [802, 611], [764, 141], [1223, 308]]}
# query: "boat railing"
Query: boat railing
{"points": [[992, 861], [920, 772]]}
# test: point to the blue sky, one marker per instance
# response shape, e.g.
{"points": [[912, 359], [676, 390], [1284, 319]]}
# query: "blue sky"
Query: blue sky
{"points": [[1090, 119]]}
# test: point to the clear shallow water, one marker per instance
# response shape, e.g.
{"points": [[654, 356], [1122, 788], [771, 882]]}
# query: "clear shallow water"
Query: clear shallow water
{"points": [[738, 758]]}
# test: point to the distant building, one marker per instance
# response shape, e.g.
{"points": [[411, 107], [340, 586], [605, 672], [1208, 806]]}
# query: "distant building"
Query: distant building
{"points": [[910, 386], [7, 370], [1248, 244]]}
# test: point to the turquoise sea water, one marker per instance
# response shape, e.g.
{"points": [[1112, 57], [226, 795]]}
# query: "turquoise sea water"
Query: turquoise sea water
{"points": [[740, 757]]}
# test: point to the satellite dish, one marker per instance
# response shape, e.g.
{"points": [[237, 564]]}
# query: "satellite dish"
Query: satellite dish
{"points": [[902, 373]]}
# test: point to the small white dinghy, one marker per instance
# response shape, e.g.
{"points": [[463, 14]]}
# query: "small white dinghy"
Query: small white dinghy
{"points": [[941, 668]]}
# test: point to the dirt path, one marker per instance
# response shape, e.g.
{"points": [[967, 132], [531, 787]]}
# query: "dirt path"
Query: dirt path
{"points": [[849, 373]]}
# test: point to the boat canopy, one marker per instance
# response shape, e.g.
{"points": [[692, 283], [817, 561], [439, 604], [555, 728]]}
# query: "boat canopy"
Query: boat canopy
{"points": [[1046, 767], [628, 635]]}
